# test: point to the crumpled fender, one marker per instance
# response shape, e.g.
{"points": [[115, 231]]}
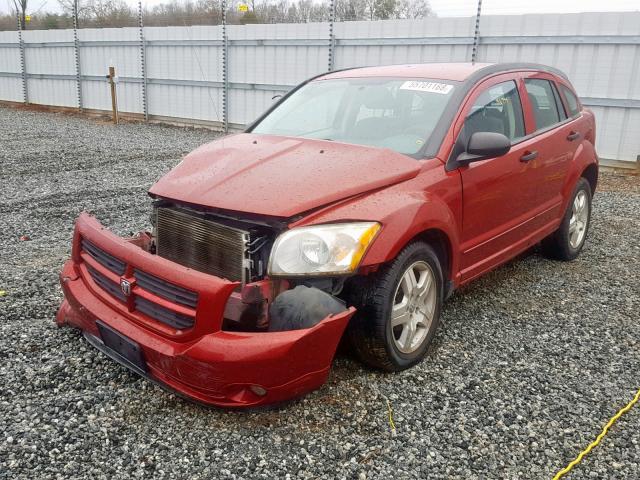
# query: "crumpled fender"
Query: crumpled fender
{"points": [[405, 211]]}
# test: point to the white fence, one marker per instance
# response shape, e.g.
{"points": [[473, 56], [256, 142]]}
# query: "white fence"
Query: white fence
{"points": [[191, 74]]}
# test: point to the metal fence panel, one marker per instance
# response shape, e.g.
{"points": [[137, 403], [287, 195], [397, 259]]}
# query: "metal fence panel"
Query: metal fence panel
{"points": [[263, 56], [50, 52], [101, 48], [184, 65], [11, 82], [192, 56], [403, 41]]}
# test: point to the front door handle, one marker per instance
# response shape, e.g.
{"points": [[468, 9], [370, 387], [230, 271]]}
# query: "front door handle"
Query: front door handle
{"points": [[528, 156], [573, 135]]}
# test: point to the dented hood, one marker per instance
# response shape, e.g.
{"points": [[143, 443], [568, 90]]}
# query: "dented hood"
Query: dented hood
{"points": [[280, 176]]}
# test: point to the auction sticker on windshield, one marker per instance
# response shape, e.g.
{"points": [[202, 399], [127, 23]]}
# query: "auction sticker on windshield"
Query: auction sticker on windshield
{"points": [[431, 87]]}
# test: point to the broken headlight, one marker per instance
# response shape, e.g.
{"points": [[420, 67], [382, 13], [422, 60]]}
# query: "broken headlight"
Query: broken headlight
{"points": [[321, 249]]}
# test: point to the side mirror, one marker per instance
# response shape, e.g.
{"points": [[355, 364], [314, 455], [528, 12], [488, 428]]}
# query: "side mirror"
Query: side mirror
{"points": [[483, 145]]}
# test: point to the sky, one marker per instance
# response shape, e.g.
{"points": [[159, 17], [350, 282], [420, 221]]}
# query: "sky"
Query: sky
{"points": [[443, 8]]}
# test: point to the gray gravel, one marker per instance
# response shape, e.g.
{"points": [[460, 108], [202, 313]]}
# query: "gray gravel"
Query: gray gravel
{"points": [[530, 362]]}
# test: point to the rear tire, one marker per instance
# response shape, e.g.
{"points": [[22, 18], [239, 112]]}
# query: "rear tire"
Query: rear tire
{"points": [[398, 309], [567, 242]]}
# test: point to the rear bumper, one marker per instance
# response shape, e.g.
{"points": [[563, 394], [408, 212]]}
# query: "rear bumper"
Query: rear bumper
{"points": [[205, 363]]}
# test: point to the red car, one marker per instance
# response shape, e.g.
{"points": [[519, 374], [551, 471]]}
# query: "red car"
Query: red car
{"points": [[357, 203]]}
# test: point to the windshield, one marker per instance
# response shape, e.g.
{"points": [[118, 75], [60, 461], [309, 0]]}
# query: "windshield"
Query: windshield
{"points": [[399, 114]]}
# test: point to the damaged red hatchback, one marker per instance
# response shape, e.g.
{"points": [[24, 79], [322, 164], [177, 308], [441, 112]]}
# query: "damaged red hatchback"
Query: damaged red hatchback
{"points": [[360, 201]]}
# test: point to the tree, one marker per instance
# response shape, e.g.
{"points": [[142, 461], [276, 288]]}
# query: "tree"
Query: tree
{"points": [[249, 17], [352, 10], [21, 11], [83, 7], [118, 13], [111, 13], [273, 12], [381, 9], [50, 21], [413, 9], [384, 9], [211, 10]]}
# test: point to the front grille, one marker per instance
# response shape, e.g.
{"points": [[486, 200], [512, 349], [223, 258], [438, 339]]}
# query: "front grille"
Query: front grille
{"points": [[165, 289], [196, 242], [144, 281], [103, 258], [107, 285], [164, 315]]}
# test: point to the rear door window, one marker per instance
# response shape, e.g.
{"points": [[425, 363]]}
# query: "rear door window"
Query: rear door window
{"points": [[544, 103], [572, 101], [556, 96], [497, 109]]}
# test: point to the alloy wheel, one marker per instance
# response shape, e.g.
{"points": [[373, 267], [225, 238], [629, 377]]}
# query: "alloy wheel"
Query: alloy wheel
{"points": [[414, 306], [579, 219]]}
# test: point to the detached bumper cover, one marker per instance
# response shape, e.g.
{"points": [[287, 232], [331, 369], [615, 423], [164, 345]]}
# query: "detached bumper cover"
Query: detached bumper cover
{"points": [[204, 362]]}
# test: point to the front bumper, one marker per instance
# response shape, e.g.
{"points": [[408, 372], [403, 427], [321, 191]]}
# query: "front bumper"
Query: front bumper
{"points": [[204, 363]]}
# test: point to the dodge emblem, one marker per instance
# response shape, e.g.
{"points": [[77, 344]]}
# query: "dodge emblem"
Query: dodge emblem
{"points": [[125, 286]]}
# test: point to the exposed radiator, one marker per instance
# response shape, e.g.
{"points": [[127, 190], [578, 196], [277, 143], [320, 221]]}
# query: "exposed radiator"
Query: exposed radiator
{"points": [[191, 240]]}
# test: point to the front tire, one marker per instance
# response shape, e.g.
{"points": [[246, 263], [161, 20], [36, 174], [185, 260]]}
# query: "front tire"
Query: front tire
{"points": [[398, 309], [567, 242]]}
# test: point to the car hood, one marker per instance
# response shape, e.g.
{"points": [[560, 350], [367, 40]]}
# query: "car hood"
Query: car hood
{"points": [[280, 176]]}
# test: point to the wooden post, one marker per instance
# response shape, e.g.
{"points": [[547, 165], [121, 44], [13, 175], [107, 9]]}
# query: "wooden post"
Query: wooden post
{"points": [[114, 98]]}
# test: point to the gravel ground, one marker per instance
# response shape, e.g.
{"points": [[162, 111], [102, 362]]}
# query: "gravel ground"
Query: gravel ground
{"points": [[529, 363]]}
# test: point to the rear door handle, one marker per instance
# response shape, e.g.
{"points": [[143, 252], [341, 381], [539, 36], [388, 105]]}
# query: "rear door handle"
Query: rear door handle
{"points": [[528, 156], [573, 135]]}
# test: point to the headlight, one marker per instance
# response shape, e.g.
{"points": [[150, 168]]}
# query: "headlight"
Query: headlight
{"points": [[322, 249]]}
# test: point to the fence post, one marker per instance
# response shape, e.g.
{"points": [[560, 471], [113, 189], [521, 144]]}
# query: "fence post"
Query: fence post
{"points": [[225, 70], [476, 34], [23, 64], [114, 96], [332, 38], [143, 63], [76, 50]]}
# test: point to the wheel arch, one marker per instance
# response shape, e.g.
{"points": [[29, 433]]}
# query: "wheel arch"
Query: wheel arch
{"points": [[437, 239], [441, 244], [591, 174], [427, 219], [583, 165]]}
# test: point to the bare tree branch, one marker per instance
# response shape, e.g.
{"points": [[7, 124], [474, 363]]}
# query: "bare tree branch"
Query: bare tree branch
{"points": [[117, 13]]}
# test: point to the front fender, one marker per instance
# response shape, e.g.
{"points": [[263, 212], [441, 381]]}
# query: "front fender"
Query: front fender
{"points": [[418, 213], [404, 214]]}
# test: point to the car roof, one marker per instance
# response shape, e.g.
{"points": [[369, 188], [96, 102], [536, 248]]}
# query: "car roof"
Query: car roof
{"points": [[441, 71]]}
